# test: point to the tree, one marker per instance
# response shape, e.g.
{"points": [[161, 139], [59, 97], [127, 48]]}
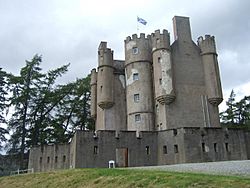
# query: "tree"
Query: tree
{"points": [[44, 112], [73, 113], [3, 99], [228, 116], [33, 98], [23, 90], [242, 111], [237, 113]]}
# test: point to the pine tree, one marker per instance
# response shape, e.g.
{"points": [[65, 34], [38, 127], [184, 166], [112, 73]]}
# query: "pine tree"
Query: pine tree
{"points": [[3, 105], [229, 116]]}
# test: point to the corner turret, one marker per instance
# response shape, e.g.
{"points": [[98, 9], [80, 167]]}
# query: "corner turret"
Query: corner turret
{"points": [[105, 85], [162, 63], [93, 85], [211, 69]]}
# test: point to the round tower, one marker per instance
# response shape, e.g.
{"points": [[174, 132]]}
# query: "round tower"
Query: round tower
{"points": [[93, 85], [139, 93], [105, 77], [162, 63], [211, 69]]}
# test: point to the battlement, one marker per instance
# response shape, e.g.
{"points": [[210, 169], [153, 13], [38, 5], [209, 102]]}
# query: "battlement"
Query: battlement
{"points": [[103, 48], [135, 37], [207, 44], [160, 40], [158, 34]]}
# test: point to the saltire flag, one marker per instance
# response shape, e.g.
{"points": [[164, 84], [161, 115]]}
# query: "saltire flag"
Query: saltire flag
{"points": [[142, 21]]}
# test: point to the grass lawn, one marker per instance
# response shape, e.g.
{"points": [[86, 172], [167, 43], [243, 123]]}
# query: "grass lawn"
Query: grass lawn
{"points": [[120, 178]]}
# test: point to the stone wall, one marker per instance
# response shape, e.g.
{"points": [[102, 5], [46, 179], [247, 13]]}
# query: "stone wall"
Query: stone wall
{"points": [[182, 145], [49, 157], [97, 150]]}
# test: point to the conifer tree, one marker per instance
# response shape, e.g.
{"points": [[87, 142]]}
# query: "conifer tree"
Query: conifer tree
{"points": [[3, 99]]}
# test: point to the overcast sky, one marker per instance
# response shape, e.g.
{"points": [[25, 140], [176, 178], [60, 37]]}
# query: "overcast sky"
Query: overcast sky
{"points": [[70, 32]]}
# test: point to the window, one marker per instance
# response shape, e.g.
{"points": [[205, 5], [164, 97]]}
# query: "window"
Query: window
{"points": [[147, 150], [48, 159], [157, 40], [95, 150], [64, 158], [136, 97], [135, 76], [159, 60], [165, 149], [157, 108], [101, 88], [227, 147], [135, 50], [175, 132], [215, 147], [176, 148], [160, 81], [137, 117], [56, 159], [40, 160], [203, 147]]}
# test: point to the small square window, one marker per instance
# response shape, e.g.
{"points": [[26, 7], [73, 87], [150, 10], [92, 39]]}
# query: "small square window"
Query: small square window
{"points": [[165, 149], [136, 97], [175, 132], [215, 148], [137, 117], [135, 50], [160, 81], [95, 150], [176, 149], [135, 76], [147, 150], [203, 147], [227, 147], [157, 108], [159, 60]]}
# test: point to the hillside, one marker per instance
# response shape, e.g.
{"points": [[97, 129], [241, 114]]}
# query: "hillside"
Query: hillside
{"points": [[120, 178]]}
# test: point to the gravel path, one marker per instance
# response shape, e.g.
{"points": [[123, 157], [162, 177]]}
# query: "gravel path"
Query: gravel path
{"points": [[238, 168]]}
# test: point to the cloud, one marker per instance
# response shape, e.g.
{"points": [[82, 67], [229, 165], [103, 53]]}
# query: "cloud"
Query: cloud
{"points": [[70, 31]]}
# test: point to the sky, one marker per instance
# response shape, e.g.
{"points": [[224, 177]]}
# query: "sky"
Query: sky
{"points": [[64, 31]]}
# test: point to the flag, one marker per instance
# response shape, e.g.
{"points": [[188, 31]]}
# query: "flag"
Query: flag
{"points": [[142, 21]]}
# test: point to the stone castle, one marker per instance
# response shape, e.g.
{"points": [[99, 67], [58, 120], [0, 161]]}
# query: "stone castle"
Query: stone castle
{"points": [[158, 107]]}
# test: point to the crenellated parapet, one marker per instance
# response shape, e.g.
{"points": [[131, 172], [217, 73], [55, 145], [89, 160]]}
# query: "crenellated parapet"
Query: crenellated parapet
{"points": [[160, 40], [137, 49], [105, 55], [207, 45], [211, 69]]}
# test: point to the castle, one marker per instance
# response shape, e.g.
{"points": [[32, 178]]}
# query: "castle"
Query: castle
{"points": [[159, 106]]}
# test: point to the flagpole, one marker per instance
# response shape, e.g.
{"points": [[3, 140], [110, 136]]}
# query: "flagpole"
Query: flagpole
{"points": [[137, 26]]}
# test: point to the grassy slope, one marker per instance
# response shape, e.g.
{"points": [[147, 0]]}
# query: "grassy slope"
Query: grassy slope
{"points": [[120, 178]]}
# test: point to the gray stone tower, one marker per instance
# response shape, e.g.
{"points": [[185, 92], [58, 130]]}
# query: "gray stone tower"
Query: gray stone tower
{"points": [[93, 85], [139, 92], [105, 85], [108, 105], [163, 76]]}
